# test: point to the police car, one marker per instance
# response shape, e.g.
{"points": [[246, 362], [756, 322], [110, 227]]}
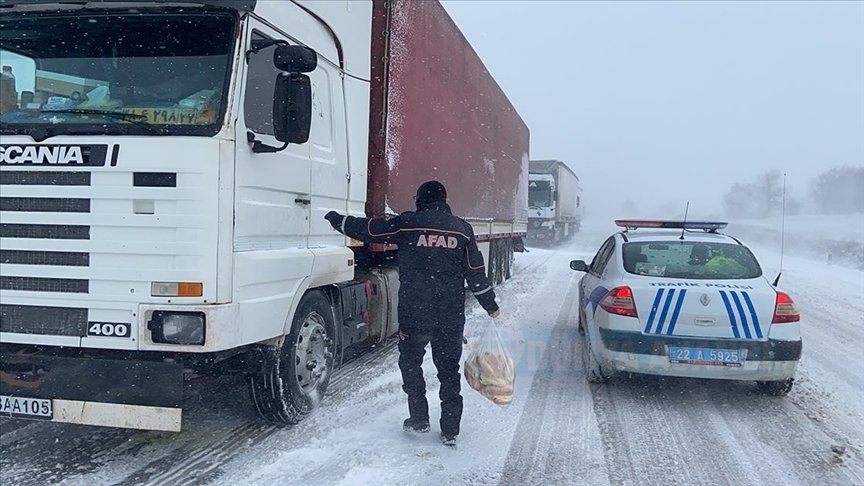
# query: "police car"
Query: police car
{"points": [[681, 299]]}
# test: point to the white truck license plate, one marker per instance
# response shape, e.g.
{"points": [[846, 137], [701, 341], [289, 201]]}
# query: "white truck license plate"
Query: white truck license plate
{"points": [[39, 408]]}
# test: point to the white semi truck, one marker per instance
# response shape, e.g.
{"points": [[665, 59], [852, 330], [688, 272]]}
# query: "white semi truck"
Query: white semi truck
{"points": [[554, 202], [165, 168]]}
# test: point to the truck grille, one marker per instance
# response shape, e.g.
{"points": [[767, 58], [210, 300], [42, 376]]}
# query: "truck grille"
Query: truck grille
{"points": [[42, 178], [45, 231], [60, 321], [40, 284], [44, 204], [76, 247], [54, 258]]}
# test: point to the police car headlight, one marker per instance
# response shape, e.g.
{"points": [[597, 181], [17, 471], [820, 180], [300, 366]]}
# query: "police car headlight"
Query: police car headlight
{"points": [[177, 327]]}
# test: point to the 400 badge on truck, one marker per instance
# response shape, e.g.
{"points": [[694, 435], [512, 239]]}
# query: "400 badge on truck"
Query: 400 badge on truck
{"points": [[162, 199]]}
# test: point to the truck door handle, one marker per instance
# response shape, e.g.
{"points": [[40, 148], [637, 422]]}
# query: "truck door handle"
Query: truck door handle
{"points": [[302, 200]]}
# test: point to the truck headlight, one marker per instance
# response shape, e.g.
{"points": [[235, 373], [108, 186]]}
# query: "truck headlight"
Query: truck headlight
{"points": [[177, 327]]}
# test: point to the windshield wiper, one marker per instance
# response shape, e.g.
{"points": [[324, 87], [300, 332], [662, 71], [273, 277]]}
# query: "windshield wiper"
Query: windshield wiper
{"points": [[133, 117]]}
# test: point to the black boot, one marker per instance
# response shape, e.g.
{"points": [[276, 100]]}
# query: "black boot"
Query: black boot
{"points": [[448, 440], [415, 425]]}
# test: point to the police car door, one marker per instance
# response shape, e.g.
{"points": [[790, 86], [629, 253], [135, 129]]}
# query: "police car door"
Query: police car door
{"points": [[594, 286]]}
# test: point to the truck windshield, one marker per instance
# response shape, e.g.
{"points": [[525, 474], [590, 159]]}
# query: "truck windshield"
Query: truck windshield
{"points": [[108, 72], [539, 195]]}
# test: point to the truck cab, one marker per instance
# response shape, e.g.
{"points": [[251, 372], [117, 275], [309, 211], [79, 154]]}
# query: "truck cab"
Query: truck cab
{"points": [[163, 196], [554, 202]]}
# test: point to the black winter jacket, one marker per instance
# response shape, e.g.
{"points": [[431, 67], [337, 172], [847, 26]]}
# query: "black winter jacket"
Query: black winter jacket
{"points": [[437, 254]]}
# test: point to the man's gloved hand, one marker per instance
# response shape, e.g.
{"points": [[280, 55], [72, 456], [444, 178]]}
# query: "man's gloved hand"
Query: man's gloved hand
{"points": [[335, 219]]}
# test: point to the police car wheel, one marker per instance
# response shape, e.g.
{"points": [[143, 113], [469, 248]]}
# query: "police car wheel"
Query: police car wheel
{"points": [[593, 370], [580, 324], [294, 377], [775, 388]]}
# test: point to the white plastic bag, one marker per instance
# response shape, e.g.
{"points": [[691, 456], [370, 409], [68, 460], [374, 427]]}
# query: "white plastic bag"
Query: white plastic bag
{"points": [[489, 367]]}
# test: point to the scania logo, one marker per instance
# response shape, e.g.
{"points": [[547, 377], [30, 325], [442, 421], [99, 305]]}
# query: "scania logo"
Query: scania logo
{"points": [[75, 155]]}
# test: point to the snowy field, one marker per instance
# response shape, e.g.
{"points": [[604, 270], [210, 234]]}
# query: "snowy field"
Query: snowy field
{"points": [[559, 430], [835, 239]]}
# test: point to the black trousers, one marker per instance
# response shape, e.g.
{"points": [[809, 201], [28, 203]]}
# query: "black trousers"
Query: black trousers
{"points": [[446, 352]]}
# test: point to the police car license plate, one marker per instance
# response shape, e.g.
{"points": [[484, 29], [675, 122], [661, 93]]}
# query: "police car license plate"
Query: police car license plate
{"points": [[707, 356], [34, 408]]}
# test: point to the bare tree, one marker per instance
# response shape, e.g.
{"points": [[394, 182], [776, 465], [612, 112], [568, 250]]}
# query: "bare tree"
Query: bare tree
{"points": [[756, 199], [839, 190]]}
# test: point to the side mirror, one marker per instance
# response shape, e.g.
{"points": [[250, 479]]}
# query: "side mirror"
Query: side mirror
{"points": [[295, 59], [555, 196], [292, 108], [579, 266]]}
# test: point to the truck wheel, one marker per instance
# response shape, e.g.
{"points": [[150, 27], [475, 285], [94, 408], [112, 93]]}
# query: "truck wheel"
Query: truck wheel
{"points": [[294, 377], [775, 388], [502, 261], [494, 270], [508, 260]]}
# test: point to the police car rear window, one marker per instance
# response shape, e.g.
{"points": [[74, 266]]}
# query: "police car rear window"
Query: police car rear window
{"points": [[690, 259]]}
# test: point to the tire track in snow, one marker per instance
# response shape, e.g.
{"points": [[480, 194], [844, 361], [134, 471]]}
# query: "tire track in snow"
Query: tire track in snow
{"points": [[687, 431], [556, 440], [201, 462]]}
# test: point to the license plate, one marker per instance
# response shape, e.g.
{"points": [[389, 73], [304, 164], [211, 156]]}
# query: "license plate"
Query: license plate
{"points": [[38, 408], [707, 356]]}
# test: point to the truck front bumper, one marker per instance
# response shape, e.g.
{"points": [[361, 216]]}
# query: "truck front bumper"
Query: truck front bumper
{"points": [[91, 388], [539, 231]]}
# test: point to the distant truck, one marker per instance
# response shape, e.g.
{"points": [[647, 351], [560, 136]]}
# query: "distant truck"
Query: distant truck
{"points": [[169, 222], [554, 202]]}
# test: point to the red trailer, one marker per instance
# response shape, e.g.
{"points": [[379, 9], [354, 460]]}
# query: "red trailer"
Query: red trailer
{"points": [[437, 113]]}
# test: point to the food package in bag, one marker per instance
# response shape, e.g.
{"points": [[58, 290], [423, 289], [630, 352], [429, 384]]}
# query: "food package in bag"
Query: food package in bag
{"points": [[489, 367]]}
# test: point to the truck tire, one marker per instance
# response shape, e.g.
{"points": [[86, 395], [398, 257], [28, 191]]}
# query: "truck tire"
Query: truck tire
{"points": [[294, 377], [494, 270], [508, 259]]}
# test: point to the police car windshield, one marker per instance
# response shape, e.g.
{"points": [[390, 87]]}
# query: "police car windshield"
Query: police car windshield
{"points": [[114, 71], [690, 259]]}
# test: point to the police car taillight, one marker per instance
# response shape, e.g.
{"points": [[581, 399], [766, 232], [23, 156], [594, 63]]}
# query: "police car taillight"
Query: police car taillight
{"points": [[785, 310], [619, 301]]}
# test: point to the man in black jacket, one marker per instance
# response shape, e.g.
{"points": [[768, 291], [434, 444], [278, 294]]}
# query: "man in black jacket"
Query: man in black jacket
{"points": [[437, 254]]}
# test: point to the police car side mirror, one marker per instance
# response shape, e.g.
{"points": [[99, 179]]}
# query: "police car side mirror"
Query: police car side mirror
{"points": [[579, 266]]}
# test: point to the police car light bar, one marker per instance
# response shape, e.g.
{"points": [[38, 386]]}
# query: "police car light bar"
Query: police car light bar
{"points": [[709, 226]]}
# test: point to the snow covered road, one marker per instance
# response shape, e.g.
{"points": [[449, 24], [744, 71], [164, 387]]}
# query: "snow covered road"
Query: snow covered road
{"points": [[559, 430]]}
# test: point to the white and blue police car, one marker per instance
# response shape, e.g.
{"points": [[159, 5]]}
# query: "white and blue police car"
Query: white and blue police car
{"points": [[681, 299]]}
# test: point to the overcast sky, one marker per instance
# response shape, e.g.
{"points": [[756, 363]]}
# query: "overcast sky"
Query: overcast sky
{"points": [[663, 102]]}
